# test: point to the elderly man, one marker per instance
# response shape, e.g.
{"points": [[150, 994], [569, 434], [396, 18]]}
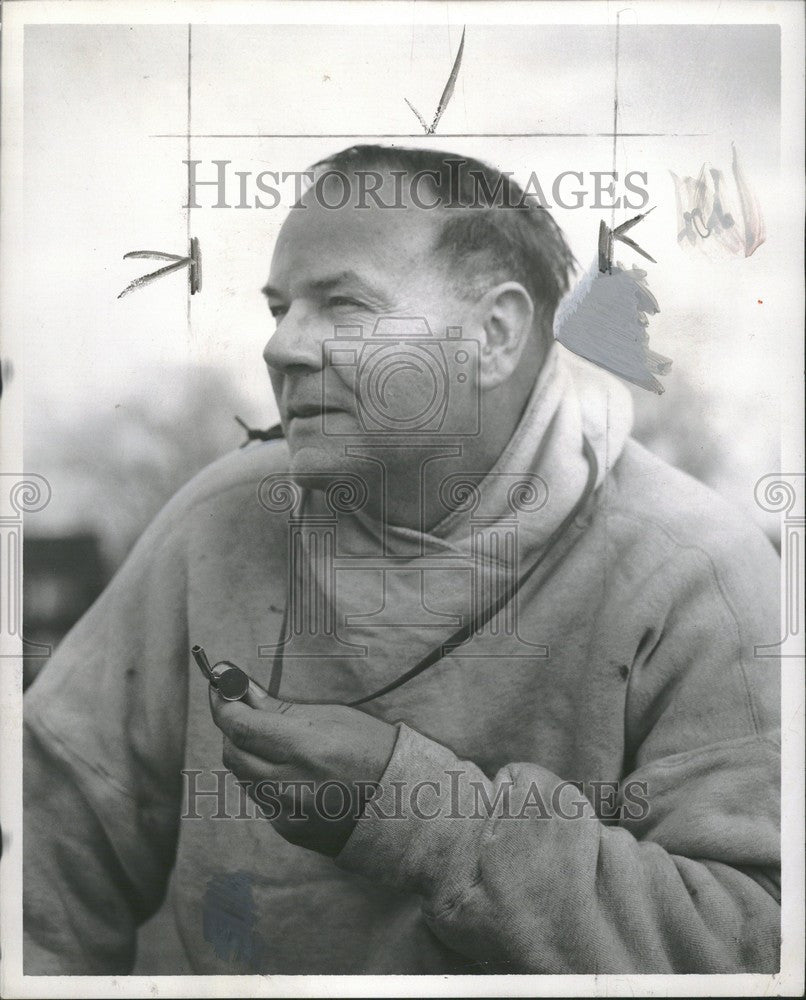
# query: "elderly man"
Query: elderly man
{"points": [[508, 715]]}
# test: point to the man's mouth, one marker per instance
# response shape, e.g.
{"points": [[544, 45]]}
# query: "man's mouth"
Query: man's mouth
{"points": [[303, 410]]}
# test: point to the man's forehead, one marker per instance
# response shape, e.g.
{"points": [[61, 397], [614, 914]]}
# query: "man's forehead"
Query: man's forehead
{"points": [[326, 278], [359, 236], [354, 198]]}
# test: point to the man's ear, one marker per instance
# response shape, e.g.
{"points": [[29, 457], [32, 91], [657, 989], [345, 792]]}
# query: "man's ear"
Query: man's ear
{"points": [[505, 313]]}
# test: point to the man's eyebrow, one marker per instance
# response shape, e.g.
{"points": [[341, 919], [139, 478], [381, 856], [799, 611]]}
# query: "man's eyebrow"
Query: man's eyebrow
{"points": [[330, 282]]}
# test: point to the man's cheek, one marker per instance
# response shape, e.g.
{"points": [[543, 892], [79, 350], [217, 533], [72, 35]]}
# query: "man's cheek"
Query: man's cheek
{"points": [[276, 380]]}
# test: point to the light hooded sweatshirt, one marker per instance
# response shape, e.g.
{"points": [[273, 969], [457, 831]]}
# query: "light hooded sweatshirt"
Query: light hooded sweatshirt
{"points": [[626, 664]]}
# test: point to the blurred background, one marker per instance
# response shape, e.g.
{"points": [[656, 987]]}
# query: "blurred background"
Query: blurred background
{"points": [[126, 399]]}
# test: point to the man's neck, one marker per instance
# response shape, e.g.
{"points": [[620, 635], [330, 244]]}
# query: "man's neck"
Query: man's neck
{"points": [[410, 494]]}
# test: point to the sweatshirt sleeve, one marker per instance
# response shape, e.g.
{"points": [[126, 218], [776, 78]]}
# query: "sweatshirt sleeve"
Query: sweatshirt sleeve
{"points": [[104, 729], [521, 874]]}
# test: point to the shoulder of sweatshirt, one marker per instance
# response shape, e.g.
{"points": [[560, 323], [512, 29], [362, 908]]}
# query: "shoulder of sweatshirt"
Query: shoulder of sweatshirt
{"points": [[703, 584], [671, 510], [221, 501], [228, 486]]}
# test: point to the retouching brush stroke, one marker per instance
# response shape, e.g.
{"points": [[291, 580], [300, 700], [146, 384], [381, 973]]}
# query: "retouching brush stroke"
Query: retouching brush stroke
{"points": [[447, 93]]}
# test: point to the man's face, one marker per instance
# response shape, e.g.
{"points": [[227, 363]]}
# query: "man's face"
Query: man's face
{"points": [[344, 268]]}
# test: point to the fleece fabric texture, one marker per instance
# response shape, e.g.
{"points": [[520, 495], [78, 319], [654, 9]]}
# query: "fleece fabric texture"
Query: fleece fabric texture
{"points": [[631, 662]]}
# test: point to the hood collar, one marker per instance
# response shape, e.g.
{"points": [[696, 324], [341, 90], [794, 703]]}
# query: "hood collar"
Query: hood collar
{"points": [[542, 472]]}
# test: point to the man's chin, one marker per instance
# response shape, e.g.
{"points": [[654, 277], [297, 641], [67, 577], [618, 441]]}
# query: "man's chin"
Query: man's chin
{"points": [[316, 465]]}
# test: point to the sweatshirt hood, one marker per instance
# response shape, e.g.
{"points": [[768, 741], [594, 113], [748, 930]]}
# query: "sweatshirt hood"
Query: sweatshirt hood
{"points": [[543, 471]]}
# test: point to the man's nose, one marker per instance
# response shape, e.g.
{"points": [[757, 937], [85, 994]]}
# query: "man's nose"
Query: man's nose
{"points": [[296, 343]]}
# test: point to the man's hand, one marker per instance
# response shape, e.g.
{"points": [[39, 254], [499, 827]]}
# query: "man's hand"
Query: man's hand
{"points": [[310, 768]]}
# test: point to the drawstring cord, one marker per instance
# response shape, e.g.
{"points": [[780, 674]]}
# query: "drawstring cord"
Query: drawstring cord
{"points": [[476, 622]]}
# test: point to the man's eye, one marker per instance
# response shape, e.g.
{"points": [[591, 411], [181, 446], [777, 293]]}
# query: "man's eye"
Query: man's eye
{"points": [[278, 311]]}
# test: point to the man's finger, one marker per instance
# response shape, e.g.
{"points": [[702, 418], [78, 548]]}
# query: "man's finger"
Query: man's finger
{"points": [[252, 769], [268, 734], [260, 699], [257, 697]]}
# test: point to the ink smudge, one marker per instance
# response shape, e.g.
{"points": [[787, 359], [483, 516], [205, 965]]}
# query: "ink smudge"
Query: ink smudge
{"points": [[228, 918], [707, 214]]}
